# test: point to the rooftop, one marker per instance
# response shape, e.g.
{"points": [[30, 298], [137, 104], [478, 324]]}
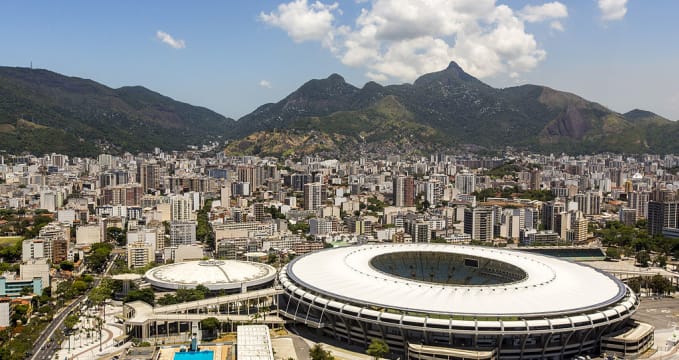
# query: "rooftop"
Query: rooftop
{"points": [[214, 274], [551, 285]]}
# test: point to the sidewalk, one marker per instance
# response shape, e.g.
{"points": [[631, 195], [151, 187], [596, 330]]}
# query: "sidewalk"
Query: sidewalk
{"points": [[85, 339]]}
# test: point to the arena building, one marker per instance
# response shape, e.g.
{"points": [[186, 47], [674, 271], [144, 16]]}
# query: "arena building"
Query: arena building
{"points": [[431, 301], [216, 275]]}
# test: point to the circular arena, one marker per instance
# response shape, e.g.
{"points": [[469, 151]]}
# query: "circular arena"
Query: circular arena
{"points": [[432, 301], [216, 275]]}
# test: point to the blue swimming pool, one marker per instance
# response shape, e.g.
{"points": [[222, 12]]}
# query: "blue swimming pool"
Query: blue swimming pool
{"points": [[198, 355]]}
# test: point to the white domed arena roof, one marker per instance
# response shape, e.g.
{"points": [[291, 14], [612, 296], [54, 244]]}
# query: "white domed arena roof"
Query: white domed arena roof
{"points": [[213, 274]]}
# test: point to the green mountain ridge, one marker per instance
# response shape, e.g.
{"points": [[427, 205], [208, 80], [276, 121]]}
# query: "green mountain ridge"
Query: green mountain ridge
{"points": [[82, 117], [42, 111], [461, 110], [386, 125]]}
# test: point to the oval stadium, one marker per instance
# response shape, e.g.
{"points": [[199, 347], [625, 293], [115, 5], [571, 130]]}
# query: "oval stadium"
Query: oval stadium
{"points": [[432, 301], [216, 275]]}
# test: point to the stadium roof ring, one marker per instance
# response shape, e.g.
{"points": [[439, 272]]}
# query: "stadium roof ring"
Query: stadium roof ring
{"points": [[511, 303], [450, 279]]}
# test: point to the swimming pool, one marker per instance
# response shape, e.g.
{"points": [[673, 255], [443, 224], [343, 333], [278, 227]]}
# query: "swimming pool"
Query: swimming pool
{"points": [[198, 355]]}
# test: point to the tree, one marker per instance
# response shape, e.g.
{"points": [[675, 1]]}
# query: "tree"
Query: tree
{"points": [[660, 285], [635, 284], [79, 285], [203, 290], [643, 258], [71, 321], [168, 299], [661, 260], [318, 353], [66, 265], [209, 325], [612, 252], [117, 235], [377, 349], [99, 256], [26, 290], [145, 295]]}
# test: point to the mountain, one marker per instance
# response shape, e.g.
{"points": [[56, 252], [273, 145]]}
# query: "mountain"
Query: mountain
{"points": [[42, 111], [452, 108], [384, 126]]}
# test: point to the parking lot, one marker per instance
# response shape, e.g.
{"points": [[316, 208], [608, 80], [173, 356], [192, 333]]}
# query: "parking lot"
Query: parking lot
{"points": [[662, 313]]}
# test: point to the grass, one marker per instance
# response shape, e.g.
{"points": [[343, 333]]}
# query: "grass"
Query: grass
{"points": [[9, 240]]}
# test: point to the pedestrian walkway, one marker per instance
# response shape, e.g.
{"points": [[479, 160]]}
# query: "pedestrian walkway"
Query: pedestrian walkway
{"points": [[84, 341]]}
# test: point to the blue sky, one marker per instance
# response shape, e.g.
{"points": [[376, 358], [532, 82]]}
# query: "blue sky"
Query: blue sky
{"points": [[232, 56]]}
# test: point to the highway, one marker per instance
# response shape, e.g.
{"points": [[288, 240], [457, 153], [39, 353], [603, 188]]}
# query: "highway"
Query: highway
{"points": [[45, 346]]}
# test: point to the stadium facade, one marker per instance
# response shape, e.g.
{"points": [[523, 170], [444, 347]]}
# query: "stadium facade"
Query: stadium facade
{"points": [[431, 301]]}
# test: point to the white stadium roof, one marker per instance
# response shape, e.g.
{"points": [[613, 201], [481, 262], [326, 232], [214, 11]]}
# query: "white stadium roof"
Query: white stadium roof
{"points": [[214, 274], [552, 286]]}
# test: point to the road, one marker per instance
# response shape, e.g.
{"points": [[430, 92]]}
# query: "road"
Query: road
{"points": [[45, 346]]}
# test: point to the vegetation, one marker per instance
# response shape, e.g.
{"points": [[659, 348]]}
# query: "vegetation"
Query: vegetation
{"points": [[613, 253], [377, 349], [210, 328], [145, 295], [45, 112], [185, 295], [657, 284], [116, 235], [204, 231], [318, 353], [98, 256], [514, 192], [302, 226], [633, 239], [643, 258], [275, 212], [508, 169]]}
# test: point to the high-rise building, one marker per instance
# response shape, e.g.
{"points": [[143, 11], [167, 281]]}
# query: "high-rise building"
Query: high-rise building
{"points": [[139, 255], [465, 182], [550, 210], [479, 223], [579, 228], [320, 226], [589, 203], [127, 195], [313, 195], [148, 175], [255, 175], [180, 209], [628, 216], [258, 210], [535, 179], [662, 215], [638, 200], [182, 233], [404, 191], [433, 192]]}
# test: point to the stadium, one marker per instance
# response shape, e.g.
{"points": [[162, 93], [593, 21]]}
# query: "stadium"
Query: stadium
{"points": [[432, 301], [216, 275]]}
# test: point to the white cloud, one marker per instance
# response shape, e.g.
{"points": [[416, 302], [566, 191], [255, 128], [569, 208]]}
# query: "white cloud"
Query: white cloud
{"points": [[548, 11], [612, 9], [403, 39], [303, 21], [556, 25], [265, 84], [168, 39]]}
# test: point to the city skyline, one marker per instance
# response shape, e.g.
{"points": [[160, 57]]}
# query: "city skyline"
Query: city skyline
{"points": [[232, 58]]}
